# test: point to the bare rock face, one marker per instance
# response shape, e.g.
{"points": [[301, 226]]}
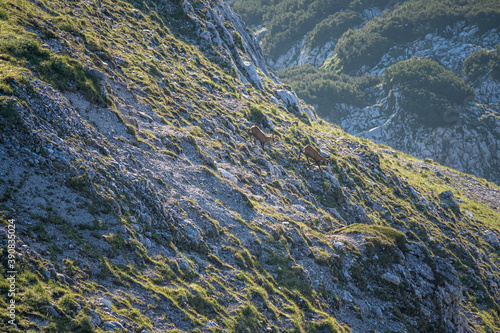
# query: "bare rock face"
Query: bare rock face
{"points": [[236, 44], [112, 325], [491, 237], [289, 98], [428, 288], [466, 144], [449, 296], [448, 201]]}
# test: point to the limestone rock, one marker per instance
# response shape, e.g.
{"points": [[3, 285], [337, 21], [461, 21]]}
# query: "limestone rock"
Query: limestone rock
{"points": [[288, 98], [105, 303], [112, 325], [491, 237], [53, 311], [392, 278], [228, 175]]}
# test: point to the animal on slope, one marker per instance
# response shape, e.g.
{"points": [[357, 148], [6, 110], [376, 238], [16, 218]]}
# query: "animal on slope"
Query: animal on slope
{"points": [[258, 135], [310, 152]]}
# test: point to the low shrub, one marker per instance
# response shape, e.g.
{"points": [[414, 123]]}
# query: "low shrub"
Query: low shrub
{"points": [[429, 90]]}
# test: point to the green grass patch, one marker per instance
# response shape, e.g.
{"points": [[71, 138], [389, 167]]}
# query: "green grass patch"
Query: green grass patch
{"points": [[63, 72]]}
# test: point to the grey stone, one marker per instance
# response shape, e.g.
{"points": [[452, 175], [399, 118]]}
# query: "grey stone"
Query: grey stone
{"points": [[324, 153], [334, 181], [446, 195], [269, 122], [275, 171], [228, 175], [491, 237], [311, 113], [45, 273], [98, 74], [112, 325], [288, 98], [191, 231], [61, 277], [338, 245], [446, 271], [378, 312], [346, 296], [96, 317], [53, 272], [391, 278], [53, 311], [183, 264], [105, 303], [448, 200]]}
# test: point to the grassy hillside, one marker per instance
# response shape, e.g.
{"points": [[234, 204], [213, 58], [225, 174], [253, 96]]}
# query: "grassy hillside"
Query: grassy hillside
{"points": [[141, 204]]}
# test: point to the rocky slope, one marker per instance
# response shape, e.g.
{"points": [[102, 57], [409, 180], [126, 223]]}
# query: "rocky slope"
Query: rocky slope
{"points": [[141, 205]]}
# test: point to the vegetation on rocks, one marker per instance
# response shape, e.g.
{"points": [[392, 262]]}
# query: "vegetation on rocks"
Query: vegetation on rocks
{"points": [[429, 90], [321, 87], [359, 45], [407, 22], [483, 62], [289, 21]]}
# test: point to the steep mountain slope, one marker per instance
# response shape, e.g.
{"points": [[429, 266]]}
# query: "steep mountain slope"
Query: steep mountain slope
{"points": [[339, 62], [140, 204]]}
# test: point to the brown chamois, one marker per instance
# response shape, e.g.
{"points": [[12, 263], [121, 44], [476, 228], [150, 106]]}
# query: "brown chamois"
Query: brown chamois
{"points": [[309, 151], [257, 134]]}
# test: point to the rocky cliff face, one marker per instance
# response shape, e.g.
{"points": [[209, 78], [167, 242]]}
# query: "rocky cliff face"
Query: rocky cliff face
{"points": [[141, 205], [219, 27]]}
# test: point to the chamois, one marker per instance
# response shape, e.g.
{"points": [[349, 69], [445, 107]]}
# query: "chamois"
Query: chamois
{"points": [[257, 134], [309, 151]]}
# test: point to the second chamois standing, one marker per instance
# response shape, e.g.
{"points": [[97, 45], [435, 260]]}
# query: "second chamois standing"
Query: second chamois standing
{"points": [[310, 152], [257, 134]]}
